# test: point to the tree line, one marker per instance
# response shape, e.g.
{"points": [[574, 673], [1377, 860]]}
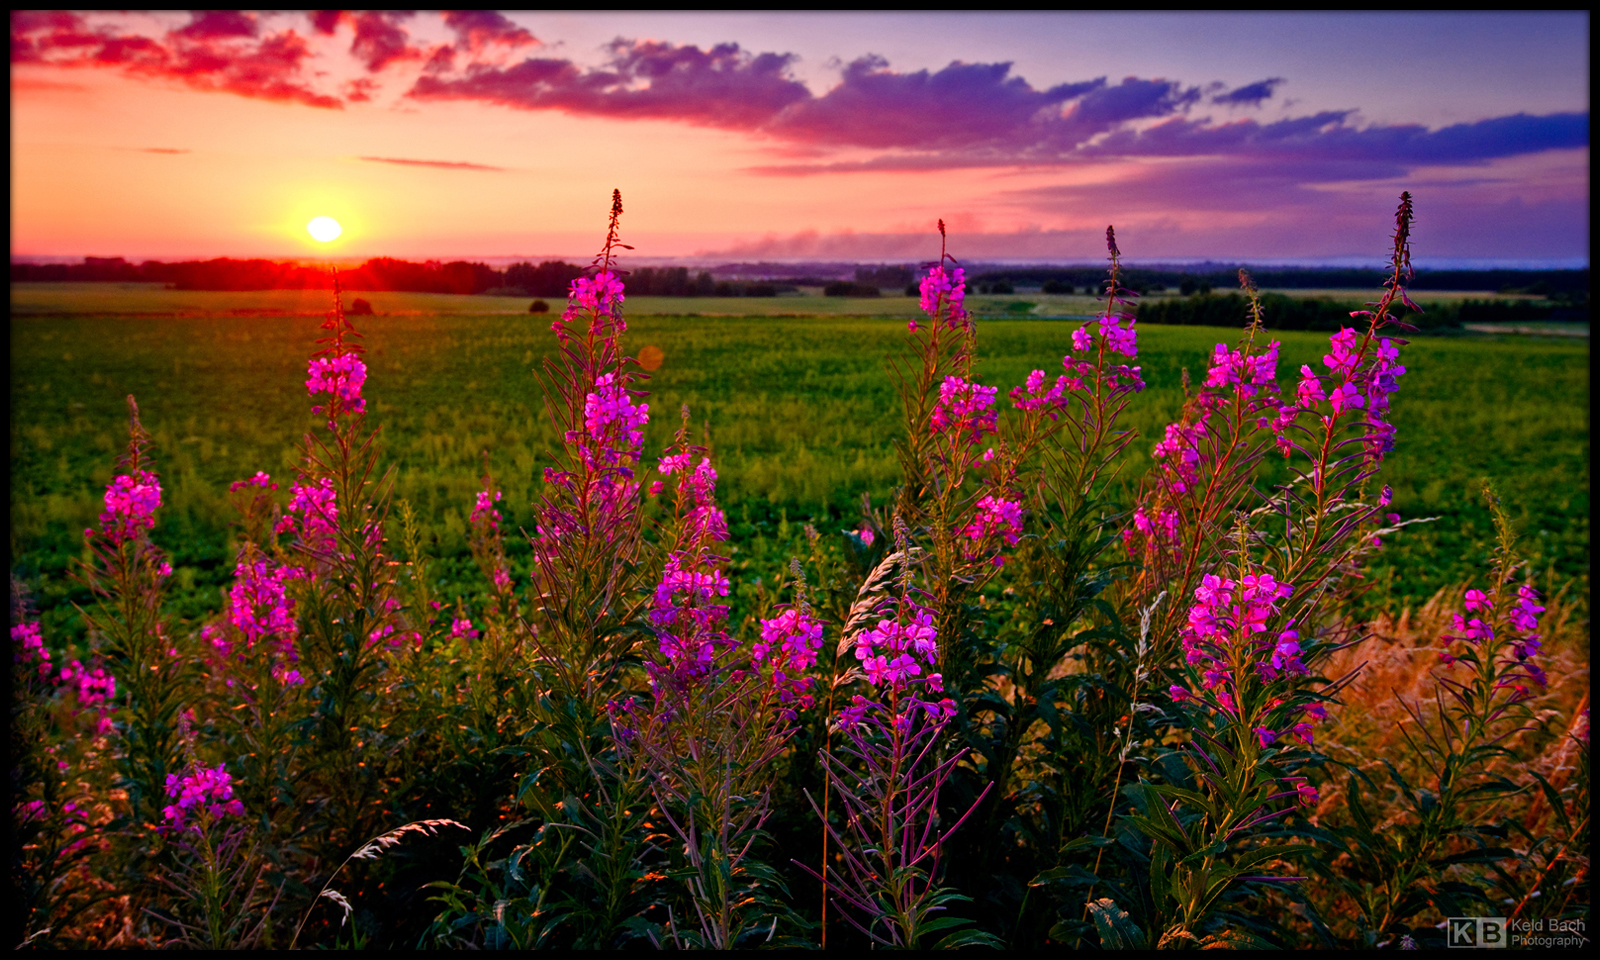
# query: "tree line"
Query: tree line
{"points": [[551, 278], [1280, 312]]}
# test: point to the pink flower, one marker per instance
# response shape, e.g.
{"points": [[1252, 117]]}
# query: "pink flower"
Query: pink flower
{"points": [[947, 290], [996, 516], [966, 409], [1342, 360], [342, 377], [462, 630], [1310, 393], [201, 791], [1119, 339], [31, 646], [131, 501], [259, 480], [1346, 397], [260, 604]]}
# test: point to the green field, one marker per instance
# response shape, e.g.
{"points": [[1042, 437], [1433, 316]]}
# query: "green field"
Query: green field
{"points": [[801, 415]]}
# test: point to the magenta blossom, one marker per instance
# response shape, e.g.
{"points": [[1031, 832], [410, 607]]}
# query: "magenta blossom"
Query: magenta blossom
{"points": [[996, 516], [131, 502], [342, 377], [946, 289], [29, 644], [966, 409], [201, 791]]}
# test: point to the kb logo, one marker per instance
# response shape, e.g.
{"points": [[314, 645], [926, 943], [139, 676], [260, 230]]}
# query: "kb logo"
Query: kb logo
{"points": [[1475, 932]]}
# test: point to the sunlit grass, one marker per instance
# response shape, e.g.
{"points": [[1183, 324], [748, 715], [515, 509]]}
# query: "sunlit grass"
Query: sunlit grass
{"points": [[800, 411]]}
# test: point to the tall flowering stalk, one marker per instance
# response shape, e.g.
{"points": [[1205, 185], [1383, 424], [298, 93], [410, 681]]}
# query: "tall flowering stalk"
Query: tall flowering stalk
{"points": [[1249, 639], [583, 621], [1252, 721], [586, 550], [888, 775], [948, 416], [127, 574], [719, 716], [488, 549], [216, 873], [1040, 524], [1488, 671], [1332, 429], [347, 626]]}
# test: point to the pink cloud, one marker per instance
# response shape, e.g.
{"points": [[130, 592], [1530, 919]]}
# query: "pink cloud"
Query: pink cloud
{"points": [[438, 164], [218, 52], [380, 40]]}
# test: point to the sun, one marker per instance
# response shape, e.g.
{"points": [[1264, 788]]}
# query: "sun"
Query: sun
{"points": [[325, 229]]}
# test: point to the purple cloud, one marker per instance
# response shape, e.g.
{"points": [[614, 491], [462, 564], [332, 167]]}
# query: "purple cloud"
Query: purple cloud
{"points": [[963, 103], [1326, 136], [438, 164], [723, 86], [1251, 95], [380, 40], [478, 30]]}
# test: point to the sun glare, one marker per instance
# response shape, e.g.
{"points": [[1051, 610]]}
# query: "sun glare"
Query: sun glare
{"points": [[324, 229]]}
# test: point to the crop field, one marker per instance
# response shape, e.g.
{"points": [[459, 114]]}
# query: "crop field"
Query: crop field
{"points": [[800, 412]]}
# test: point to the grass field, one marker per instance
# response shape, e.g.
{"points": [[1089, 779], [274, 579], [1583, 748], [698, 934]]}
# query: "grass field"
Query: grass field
{"points": [[800, 411]]}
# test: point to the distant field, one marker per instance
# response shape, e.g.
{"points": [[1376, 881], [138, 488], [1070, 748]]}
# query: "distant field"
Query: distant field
{"points": [[150, 298]]}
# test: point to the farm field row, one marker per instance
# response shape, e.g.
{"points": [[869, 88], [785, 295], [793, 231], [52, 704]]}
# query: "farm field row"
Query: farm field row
{"points": [[800, 414]]}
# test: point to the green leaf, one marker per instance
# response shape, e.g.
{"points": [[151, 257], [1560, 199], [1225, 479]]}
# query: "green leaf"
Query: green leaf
{"points": [[1117, 931], [1554, 800]]}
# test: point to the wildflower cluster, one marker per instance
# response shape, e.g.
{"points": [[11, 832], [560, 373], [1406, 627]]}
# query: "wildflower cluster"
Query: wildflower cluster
{"points": [[341, 377], [600, 297], [201, 793], [688, 620], [889, 651], [613, 426], [313, 514], [996, 517], [131, 502], [29, 646], [965, 410], [1091, 365], [1503, 643], [487, 546], [944, 293], [94, 687], [786, 650], [261, 610]]}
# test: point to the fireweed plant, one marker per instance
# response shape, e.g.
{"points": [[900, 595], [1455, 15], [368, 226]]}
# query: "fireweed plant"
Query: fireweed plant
{"points": [[1028, 702], [1489, 667], [1256, 572]]}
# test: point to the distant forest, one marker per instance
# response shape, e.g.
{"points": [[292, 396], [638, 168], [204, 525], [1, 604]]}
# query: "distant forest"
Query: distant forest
{"points": [[550, 278]]}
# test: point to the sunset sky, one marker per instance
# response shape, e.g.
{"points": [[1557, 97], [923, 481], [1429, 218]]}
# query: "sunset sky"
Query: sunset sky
{"points": [[800, 136]]}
